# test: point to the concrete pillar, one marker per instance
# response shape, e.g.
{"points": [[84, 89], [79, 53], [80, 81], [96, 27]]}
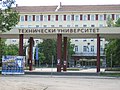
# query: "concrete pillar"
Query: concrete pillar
{"points": [[65, 55], [21, 45], [98, 53], [59, 52], [30, 53]]}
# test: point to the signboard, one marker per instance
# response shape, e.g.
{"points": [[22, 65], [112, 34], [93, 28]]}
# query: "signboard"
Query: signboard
{"points": [[13, 64], [58, 30]]}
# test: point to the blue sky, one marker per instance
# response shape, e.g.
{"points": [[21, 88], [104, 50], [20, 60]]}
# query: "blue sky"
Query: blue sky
{"points": [[64, 2]]}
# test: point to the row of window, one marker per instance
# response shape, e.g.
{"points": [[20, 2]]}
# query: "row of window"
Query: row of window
{"points": [[68, 17], [85, 40], [37, 26], [87, 49]]}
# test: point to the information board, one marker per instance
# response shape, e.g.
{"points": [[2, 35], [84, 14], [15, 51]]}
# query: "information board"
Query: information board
{"points": [[13, 64]]}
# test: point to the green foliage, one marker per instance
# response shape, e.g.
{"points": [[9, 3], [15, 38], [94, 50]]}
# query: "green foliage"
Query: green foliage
{"points": [[117, 24], [70, 48], [11, 49], [48, 48], [41, 57], [113, 48], [8, 17], [110, 22]]}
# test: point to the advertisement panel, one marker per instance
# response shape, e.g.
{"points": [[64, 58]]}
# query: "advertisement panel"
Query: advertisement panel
{"points": [[13, 64]]}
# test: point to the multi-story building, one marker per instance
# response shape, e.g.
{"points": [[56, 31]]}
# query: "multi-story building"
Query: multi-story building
{"points": [[69, 16]]}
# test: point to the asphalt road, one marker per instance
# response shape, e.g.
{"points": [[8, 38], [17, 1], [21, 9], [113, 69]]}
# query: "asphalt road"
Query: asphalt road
{"points": [[48, 82]]}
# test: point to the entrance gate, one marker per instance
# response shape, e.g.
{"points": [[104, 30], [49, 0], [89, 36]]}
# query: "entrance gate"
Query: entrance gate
{"points": [[59, 34]]}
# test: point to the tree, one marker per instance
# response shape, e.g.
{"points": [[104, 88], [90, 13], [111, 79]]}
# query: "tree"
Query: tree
{"points": [[113, 48], [48, 48], [8, 17], [2, 47], [11, 49], [110, 22], [117, 24]]}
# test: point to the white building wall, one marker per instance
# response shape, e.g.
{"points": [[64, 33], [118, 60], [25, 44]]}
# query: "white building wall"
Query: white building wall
{"points": [[68, 23]]}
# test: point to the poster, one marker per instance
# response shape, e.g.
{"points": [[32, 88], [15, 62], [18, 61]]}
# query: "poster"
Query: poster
{"points": [[13, 64]]}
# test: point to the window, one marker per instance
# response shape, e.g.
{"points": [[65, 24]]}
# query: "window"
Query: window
{"points": [[21, 25], [101, 25], [76, 18], [85, 48], [21, 18], [37, 26], [33, 17], [84, 40], [56, 17], [100, 17], [104, 16], [60, 25], [96, 16], [48, 17], [44, 25], [45, 17], [26, 17], [41, 17], [84, 25], [88, 16], [29, 18], [60, 17], [81, 17], [64, 17], [76, 25], [52, 25], [68, 17], [92, 25], [76, 40], [117, 17], [76, 48], [13, 40], [92, 48], [68, 25], [37, 18], [92, 17], [29, 26], [113, 16], [101, 48], [84, 17], [72, 17], [52, 18]]}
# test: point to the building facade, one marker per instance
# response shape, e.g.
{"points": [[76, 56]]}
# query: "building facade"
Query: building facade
{"points": [[71, 16]]}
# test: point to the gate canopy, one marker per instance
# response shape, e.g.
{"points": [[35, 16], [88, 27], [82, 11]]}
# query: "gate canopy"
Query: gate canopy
{"points": [[45, 33]]}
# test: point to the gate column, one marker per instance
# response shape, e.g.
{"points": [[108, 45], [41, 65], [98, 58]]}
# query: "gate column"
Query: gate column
{"points": [[98, 53], [21, 45], [30, 53], [59, 52], [65, 55]]}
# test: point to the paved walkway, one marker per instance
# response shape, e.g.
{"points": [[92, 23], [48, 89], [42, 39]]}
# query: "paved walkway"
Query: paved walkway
{"points": [[46, 82], [89, 70]]}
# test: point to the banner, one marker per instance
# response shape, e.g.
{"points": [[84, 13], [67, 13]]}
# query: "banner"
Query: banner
{"points": [[13, 64]]}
